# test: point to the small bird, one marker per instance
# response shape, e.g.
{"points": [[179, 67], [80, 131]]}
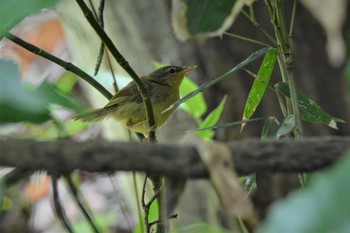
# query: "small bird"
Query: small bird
{"points": [[127, 107]]}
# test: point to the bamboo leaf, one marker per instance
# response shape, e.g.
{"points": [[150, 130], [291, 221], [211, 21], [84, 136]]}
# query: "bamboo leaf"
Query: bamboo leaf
{"points": [[259, 86], [196, 106], [286, 127], [268, 124], [211, 119], [211, 83], [315, 113]]}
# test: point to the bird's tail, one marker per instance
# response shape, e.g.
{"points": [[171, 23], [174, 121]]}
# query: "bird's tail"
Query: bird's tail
{"points": [[94, 115]]}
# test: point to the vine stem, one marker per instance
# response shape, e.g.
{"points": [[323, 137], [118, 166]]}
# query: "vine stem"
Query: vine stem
{"points": [[124, 64]]}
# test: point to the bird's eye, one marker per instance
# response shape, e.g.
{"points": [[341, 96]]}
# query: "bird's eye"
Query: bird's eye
{"points": [[171, 71]]}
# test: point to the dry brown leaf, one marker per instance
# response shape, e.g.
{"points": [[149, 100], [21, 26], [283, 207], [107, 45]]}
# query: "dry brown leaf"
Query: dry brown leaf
{"points": [[233, 199]]}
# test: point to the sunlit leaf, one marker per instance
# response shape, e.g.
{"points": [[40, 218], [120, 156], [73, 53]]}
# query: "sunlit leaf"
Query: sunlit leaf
{"points": [[103, 220], [259, 86], [203, 228], [322, 206], [309, 106], [211, 83], [66, 82], [50, 131], [152, 216], [210, 120], [196, 106]]}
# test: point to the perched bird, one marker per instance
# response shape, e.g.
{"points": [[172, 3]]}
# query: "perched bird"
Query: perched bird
{"points": [[127, 107]]}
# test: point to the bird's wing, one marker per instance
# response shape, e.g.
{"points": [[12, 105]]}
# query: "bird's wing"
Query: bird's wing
{"points": [[126, 95]]}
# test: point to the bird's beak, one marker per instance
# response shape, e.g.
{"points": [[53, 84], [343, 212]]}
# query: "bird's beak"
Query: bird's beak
{"points": [[188, 69]]}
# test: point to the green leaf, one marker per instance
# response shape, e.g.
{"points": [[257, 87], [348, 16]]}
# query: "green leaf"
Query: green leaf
{"points": [[18, 103], [210, 120], [211, 83], [203, 18], [268, 124], [316, 113], [66, 82], [260, 84], [103, 220], [153, 216], [50, 131], [203, 228], [322, 206], [196, 106], [286, 127], [13, 11]]}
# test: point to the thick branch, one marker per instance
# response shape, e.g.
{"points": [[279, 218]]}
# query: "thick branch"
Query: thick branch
{"points": [[249, 156]]}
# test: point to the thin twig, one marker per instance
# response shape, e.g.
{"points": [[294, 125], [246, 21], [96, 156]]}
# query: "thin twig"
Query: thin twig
{"points": [[121, 206], [246, 39], [81, 203], [103, 50], [260, 28], [66, 65], [124, 64], [58, 207], [145, 206], [160, 221]]}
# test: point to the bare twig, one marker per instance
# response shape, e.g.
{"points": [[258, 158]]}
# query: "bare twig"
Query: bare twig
{"points": [[58, 207], [81, 203]]}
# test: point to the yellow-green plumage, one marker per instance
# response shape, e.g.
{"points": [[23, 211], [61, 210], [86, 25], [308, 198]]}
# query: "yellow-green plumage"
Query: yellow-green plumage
{"points": [[127, 106]]}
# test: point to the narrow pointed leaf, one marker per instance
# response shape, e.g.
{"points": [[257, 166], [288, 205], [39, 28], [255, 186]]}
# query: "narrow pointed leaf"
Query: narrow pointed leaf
{"points": [[268, 124], [286, 127], [211, 119], [259, 86], [196, 106], [211, 83], [315, 112], [229, 124]]}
